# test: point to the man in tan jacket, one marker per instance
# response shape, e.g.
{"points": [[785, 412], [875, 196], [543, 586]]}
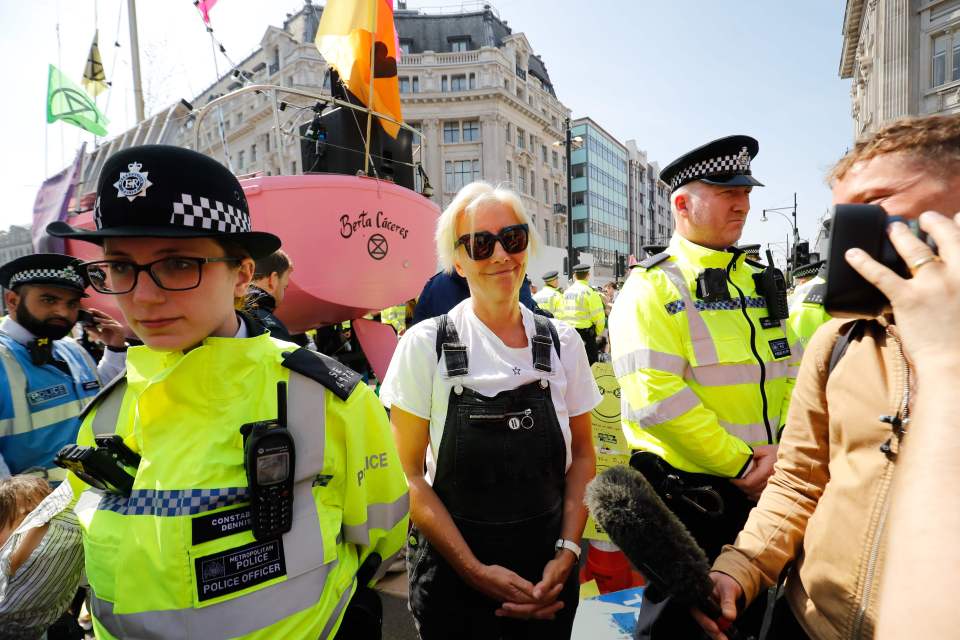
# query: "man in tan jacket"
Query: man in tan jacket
{"points": [[825, 508]]}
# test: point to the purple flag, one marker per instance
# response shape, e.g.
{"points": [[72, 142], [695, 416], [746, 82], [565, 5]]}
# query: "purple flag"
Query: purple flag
{"points": [[51, 205]]}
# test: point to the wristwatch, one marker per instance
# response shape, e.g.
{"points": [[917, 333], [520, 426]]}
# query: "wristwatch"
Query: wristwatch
{"points": [[569, 545]]}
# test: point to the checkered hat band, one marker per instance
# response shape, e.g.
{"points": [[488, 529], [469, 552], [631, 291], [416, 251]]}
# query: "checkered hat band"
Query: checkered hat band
{"points": [[202, 213], [710, 167], [33, 275], [173, 502], [677, 306]]}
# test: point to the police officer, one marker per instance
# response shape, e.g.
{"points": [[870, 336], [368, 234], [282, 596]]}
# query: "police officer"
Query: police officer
{"points": [[396, 317], [46, 379], [178, 557], [582, 309], [549, 298], [704, 364], [806, 303], [271, 276]]}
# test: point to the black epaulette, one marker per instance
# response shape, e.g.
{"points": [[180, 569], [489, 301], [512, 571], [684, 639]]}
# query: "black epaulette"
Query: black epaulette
{"points": [[121, 377], [338, 378], [654, 260], [817, 293]]}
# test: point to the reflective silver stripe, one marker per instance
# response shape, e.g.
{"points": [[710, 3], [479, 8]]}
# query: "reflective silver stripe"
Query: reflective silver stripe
{"points": [[229, 619], [721, 375], [306, 418], [17, 381], [756, 432], [108, 410], [334, 618], [380, 515], [667, 409], [649, 359], [703, 348]]}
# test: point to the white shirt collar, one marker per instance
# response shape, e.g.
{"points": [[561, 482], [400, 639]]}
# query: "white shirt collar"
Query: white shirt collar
{"points": [[16, 331], [242, 331]]}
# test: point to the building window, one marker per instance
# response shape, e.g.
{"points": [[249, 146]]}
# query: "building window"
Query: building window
{"points": [[406, 46], [940, 60], [471, 130], [415, 84], [240, 159], [460, 43], [556, 192], [546, 231], [577, 170], [293, 167], [451, 131], [459, 173], [579, 226], [473, 81], [509, 133], [458, 82], [521, 138], [522, 174], [253, 153], [509, 171], [546, 191], [404, 84], [579, 197], [443, 84], [543, 153], [555, 157]]}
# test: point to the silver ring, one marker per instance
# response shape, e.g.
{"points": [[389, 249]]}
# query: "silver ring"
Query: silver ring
{"points": [[924, 261]]}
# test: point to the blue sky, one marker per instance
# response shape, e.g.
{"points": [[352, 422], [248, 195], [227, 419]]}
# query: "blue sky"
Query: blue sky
{"points": [[671, 75]]}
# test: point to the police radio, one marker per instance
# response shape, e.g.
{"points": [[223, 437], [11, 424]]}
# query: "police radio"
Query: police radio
{"points": [[268, 458], [773, 287]]}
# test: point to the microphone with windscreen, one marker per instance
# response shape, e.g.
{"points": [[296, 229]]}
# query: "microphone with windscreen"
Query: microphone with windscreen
{"points": [[675, 567]]}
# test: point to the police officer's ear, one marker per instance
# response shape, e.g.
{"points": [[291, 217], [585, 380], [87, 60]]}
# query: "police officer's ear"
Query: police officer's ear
{"points": [[244, 277], [11, 300]]}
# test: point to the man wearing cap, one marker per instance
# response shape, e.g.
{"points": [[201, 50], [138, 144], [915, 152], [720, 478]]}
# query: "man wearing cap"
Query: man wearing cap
{"points": [[268, 488], [806, 303], [45, 380], [549, 298], [582, 309], [704, 369]]}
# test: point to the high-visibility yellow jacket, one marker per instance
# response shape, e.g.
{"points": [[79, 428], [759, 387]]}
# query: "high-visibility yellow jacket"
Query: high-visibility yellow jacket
{"points": [[806, 309], [395, 316], [549, 299], [178, 559], [700, 381], [582, 307]]}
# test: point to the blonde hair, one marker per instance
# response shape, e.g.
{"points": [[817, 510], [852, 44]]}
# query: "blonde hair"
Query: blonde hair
{"points": [[467, 201]]}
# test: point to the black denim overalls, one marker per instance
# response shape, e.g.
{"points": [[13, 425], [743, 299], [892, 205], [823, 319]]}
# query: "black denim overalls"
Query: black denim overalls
{"points": [[500, 473]]}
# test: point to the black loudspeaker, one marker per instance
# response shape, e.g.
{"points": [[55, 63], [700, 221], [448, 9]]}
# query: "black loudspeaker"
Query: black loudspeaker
{"points": [[333, 143]]}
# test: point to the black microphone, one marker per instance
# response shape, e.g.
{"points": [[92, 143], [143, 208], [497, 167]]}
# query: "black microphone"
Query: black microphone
{"points": [[629, 510]]}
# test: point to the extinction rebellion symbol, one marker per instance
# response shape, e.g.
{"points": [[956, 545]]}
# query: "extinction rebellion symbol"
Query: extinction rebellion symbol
{"points": [[377, 247]]}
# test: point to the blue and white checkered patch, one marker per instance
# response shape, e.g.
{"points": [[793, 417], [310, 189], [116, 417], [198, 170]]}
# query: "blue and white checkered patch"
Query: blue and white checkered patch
{"points": [[174, 502], [677, 306], [203, 213]]}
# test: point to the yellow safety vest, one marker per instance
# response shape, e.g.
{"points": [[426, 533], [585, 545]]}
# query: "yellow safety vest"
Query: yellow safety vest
{"points": [[690, 371], [582, 307], [806, 309], [395, 316], [177, 558], [548, 299]]}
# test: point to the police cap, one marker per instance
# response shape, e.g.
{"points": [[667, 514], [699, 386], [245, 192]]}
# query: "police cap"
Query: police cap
{"points": [[160, 191], [808, 270], [722, 162], [52, 269], [551, 275], [581, 268]]}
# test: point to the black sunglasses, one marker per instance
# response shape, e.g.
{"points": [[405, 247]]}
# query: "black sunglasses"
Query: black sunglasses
{"points": [[480, 245]]}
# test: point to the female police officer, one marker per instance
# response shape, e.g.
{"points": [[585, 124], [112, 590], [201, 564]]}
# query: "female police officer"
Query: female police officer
{"points": [[213, 541], [503, 398]]}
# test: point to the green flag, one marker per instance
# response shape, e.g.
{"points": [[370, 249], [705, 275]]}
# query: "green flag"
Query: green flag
{"points": [[68, 102]]}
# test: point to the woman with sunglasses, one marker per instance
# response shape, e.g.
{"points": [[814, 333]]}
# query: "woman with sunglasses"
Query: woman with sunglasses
{"points": [[226, 519], [496, 402]]}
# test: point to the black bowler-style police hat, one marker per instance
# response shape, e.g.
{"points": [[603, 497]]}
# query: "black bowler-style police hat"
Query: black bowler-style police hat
{"points": [[654, 249], [808, 270], [52, 269], [581, 268], [551, 275], [722, 162], [159, 191]]}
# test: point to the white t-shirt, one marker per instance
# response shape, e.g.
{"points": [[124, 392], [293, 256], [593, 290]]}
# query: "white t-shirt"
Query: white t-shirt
{"points": [[417, 383]]}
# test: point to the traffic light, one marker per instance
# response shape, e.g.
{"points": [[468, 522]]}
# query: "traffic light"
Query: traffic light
{"points": [[801, 254], [620, 269]]}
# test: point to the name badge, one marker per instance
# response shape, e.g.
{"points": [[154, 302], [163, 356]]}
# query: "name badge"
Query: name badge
{"points": [[212, 526], [230, 571], [90, 385], [46, 395], [780, 348]]}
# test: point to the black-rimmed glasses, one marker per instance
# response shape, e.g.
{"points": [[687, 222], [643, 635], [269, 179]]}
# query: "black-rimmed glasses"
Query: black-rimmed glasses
{"points": [[175, 273], [480, 245]]}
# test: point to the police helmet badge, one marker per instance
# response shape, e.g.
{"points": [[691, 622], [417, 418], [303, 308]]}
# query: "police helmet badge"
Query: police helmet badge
{"points": [[743, 160], [132, 183]]}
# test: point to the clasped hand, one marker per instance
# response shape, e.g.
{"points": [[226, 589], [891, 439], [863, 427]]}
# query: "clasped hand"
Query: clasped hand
{"points": [[520, 597]]}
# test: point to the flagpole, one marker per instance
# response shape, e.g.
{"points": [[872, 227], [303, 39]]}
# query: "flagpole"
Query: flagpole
{"points": [[135, 59], [373, 45]]}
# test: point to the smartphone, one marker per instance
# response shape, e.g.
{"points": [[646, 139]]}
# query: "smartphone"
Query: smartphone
{"points": [[863, 226], [86, 318]]}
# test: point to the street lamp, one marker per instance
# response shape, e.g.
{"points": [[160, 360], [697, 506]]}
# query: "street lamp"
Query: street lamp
{"points": [[570, 143], [793, 223]]}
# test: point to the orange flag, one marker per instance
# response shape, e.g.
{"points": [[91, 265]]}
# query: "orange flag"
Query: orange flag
{"points": [[343, 38]]}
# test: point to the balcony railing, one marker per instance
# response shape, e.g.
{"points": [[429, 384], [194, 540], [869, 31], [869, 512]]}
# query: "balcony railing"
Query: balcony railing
{"points": [[559, 207], [521, 73]]}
